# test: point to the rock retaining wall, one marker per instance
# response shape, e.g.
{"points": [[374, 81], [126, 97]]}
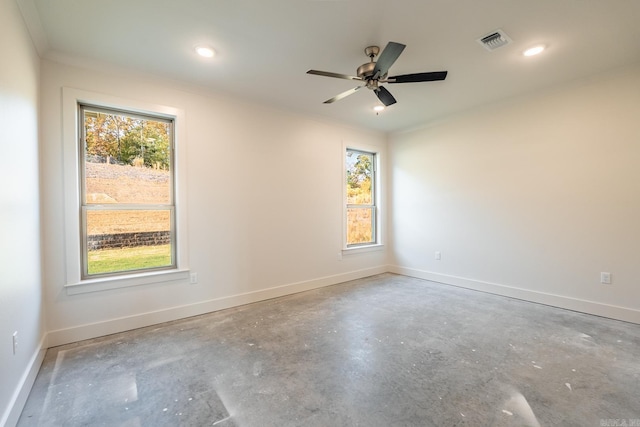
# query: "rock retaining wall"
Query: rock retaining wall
{"points": [[128, 240]]}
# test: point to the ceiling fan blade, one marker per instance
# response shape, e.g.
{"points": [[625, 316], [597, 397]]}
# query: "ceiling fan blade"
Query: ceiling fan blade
{"points": [[336, 75], [418, 77], [385, 96], [386, 59], [343, 95]]}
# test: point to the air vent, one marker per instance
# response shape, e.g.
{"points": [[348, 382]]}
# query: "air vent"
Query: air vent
{"points": [[494, 40]]}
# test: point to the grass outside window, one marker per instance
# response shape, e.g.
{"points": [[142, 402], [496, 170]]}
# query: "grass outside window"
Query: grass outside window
{"points": [[129, 259]]}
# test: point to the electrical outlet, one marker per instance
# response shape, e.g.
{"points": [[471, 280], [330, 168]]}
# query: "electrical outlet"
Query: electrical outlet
{"points": [[193, 278], [339, 255], [605, 278], [438, 256], [15, 342]]}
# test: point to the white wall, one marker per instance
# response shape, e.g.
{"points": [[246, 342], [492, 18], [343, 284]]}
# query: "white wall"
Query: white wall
{"points": [[20, 280], [531, 198], [264, 206]]}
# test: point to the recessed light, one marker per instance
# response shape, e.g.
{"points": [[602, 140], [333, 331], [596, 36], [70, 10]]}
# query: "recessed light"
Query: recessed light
{"points": [[205, 51], [533, 51], [378, 108]]}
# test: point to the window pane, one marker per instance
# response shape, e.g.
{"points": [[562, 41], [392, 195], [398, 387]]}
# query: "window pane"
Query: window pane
{"points": [[124, 240], [127, 159], [359, 178], [360, 225], [126, 168]]}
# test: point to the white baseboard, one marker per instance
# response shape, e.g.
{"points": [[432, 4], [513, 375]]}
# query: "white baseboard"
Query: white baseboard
{"points": [[94, 330], [575, 304], [19, 398]]}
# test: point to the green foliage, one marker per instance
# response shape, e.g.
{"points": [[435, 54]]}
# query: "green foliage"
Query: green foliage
{"points": [[126, 138], [360, 170], [127, 259], [359, 175]]}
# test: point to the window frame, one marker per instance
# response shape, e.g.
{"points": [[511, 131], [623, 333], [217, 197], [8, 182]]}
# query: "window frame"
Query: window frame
{"points": [[76, 281], [377, 193], [370, 206], [85, 207]]}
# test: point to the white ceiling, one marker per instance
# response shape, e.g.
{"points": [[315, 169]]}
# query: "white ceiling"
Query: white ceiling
{"points": [[265, 47]]}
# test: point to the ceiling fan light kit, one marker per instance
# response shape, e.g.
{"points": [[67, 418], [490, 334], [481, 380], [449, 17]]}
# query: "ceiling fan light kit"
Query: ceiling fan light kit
{"points": [[375, 72]]}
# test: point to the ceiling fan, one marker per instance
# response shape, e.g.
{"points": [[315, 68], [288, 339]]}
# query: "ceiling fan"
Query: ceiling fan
{"points": [[374, 73]]}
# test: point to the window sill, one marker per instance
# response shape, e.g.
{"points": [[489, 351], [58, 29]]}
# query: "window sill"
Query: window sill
{"points": [[362, 249], [107, 283]]}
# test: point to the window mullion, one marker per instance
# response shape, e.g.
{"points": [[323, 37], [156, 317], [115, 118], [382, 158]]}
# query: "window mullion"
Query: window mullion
{"points": [[125, 207]]}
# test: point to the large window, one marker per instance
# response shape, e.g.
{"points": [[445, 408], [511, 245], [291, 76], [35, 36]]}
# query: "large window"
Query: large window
{"points": [[127, 210], [361, 207]]}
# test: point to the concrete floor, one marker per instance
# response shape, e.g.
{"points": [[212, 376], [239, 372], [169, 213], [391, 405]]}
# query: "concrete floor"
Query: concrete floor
{"points": [[384, 351]]}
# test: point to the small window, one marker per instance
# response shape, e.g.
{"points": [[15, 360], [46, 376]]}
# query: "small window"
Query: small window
{"points": [[361, 208], [127, 210]]}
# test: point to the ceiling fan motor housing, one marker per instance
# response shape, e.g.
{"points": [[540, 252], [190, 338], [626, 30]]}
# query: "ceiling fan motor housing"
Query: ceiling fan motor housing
{"points": [[366, 70]]}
